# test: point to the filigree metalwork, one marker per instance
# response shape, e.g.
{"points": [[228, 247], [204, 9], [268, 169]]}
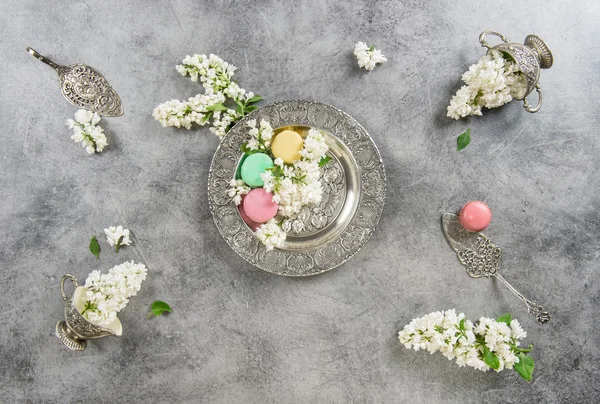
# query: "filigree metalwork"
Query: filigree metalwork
{"points": [[84, 87], [481, 258], [483, 262], [323, 236]]}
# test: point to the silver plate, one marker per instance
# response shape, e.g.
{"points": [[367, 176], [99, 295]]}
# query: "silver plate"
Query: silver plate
{"points": [[324, 236]]}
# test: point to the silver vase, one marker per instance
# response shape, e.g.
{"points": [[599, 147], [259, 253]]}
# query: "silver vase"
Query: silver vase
{"points": [[531, 56], [75, 330]]}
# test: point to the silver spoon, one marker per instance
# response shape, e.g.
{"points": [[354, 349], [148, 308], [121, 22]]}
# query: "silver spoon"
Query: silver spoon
{"points": [[84, 87], [482, 258]]}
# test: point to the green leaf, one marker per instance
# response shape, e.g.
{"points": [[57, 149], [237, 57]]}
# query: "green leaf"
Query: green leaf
{"points": [[507, 318], [463, 140], [207, 117], [95, 247], [507, 56], [239, 108], [158, 308], [324, 160], [490, 358], [250, 108], [461, 325], [278, 171], [256, 98], [525, 366], [118, 244], [217, 107]]}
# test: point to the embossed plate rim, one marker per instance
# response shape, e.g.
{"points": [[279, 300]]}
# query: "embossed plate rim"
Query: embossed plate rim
{"points": [[358, 231]]}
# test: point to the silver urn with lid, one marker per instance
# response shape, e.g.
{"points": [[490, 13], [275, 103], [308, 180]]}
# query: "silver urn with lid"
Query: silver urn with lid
{"points": [[530, 56]]}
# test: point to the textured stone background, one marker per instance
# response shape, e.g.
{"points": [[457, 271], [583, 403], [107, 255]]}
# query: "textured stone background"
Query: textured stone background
{"points": [[238, 334]]}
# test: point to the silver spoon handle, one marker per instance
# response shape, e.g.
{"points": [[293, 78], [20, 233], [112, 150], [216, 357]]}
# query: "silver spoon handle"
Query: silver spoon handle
{"points": [[42, 58], [533, 307]]}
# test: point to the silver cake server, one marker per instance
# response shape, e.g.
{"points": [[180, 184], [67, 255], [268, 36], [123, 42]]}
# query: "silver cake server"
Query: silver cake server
{"points": [[85, 87], [482, 258]]}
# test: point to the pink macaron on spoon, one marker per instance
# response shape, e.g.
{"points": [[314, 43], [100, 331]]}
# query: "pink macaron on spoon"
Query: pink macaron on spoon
{"points": [[475, 216]]}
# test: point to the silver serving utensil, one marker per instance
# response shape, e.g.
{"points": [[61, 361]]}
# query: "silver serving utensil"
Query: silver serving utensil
{"points": [[85, 87], [482, 258]]}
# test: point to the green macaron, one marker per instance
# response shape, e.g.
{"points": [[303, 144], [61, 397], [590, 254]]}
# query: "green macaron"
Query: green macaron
{"points": [[253, 166]]}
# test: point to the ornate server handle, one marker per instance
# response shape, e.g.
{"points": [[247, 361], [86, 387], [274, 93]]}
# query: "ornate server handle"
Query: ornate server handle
{"points": [[44, 59], [484, 43], [533, 307]]}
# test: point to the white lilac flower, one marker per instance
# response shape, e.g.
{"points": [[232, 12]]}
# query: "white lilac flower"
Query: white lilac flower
{"points": [[266, 131], [117, 236], [216, 77], [107, 294], [458, 338], [497, 338], [184, 114], [85, 131], [237, 189], [236, 93], [83, 116], [213, 72], [516, 331], [260, 138], [271, 235], [492, 82], [315, 146], [462, 105], [368, 57], [222, 121], [253, 144]]}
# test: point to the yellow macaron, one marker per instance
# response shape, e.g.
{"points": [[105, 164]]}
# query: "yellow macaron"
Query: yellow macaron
{"points": [[287, 145]]}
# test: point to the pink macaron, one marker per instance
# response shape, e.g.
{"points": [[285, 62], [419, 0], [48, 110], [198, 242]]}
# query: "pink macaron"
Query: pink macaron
{"points": [[259, 205], [475, 216], [251, 223]]}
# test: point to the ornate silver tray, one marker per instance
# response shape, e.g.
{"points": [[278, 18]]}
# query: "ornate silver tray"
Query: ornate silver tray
{"points": [[324, 236]]}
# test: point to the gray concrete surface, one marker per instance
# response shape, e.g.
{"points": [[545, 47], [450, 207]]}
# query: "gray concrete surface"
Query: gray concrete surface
{"points": [[238, 334]]}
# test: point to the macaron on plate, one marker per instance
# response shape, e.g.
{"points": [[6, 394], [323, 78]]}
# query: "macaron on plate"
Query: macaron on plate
{"points": [[319, 236]]}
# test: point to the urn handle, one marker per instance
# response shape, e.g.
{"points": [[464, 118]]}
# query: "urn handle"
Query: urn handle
{"points": [[484, 43], [526, 104], [62, 285]]}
